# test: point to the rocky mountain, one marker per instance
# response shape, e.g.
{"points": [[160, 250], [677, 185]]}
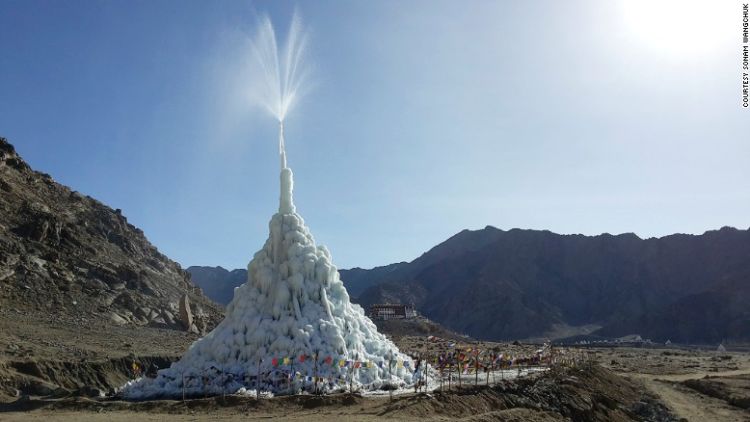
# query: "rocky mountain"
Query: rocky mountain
{"points": [[357, 280], [495, 284], [217, 282], [67, 255]]}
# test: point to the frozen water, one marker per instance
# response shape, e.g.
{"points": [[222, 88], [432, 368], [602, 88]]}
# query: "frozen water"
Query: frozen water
{"points": [[293, 304], [293, 315]]}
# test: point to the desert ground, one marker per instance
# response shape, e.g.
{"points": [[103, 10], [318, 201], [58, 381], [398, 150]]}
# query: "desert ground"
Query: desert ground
{"points": [[696, 384], [47, 363]]}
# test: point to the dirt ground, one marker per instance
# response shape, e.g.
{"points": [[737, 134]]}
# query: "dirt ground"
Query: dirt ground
{"points": [[588, 392], [370, 409], [40, 336], [697, 385], [40, 355]]}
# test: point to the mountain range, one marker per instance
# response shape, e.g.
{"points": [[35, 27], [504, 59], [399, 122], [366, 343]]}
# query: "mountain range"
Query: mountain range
{"points": [[500, 285]]}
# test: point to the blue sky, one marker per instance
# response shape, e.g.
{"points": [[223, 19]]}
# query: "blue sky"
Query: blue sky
{"points": [[425, 118]]}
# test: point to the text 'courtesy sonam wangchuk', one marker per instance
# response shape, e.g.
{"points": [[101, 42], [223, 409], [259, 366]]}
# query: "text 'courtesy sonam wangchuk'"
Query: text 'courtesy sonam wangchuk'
{"points": [[745, 54]]}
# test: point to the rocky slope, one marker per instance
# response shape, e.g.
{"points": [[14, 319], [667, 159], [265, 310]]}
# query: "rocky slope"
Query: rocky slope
{"points": [[69, 257], [496, 284]]}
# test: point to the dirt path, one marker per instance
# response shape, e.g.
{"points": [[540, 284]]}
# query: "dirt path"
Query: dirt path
{"points": [[688, 404], [693, 407], [699, 375]]}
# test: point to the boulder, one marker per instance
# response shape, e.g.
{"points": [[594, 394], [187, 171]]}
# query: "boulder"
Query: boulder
{"points": [[186, 316], [168, 317], [89, 391], [158, 321], [117, 319]]}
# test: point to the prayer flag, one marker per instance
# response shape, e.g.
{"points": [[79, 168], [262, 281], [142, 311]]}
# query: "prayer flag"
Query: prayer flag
{"points": [[275, 361]]}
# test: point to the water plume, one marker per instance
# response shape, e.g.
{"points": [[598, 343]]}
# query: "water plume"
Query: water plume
{"points": [[283, 70], [291, 327]]}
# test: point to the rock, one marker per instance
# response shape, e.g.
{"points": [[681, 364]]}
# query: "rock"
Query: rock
{"points": [[168, 317], [107, 299], [95, 284], [117, 319], [39, 388], [186, 316], [5, 273], [89, 391], [201, 325]]}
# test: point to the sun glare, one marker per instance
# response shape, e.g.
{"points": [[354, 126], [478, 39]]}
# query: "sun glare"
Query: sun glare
{"points": [[680, 26]]}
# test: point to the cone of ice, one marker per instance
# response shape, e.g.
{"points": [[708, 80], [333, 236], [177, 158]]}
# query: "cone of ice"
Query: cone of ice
{"points": [[293, 305], [292, 319]]}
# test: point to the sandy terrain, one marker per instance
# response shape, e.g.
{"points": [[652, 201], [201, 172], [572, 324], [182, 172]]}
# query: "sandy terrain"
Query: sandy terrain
{"points": [[71, 353], [696, 385], [585, 393]]}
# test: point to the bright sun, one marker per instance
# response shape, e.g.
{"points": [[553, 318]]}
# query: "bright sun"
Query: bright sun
{"points": [[681, 26]]}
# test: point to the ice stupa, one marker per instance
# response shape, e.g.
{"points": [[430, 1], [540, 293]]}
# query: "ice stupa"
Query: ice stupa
{"points": [[290, 327]]}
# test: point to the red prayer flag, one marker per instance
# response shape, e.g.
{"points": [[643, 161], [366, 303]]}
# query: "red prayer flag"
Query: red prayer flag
{"points": [[275, 361], [302, 358]]}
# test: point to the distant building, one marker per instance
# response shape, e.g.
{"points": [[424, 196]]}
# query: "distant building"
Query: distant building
{"points": [[391, 311]]}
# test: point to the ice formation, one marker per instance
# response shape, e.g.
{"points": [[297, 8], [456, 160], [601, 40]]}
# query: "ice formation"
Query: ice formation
{"points": [[292, 320], [291, 326]]}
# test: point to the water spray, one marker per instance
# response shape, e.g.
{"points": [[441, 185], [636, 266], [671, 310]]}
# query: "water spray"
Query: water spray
{"points": [[293, 303]]}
